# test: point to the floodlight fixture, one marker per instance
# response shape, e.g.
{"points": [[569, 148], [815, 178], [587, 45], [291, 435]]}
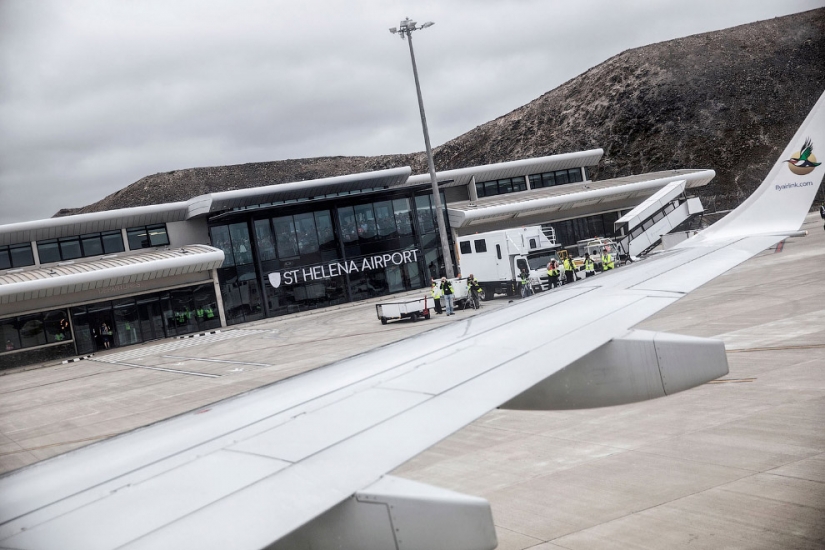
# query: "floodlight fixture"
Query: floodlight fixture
{"points": [[405, 29]]}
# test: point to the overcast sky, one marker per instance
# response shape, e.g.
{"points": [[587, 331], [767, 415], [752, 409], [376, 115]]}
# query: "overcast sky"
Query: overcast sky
{"points": [[95, 95]]}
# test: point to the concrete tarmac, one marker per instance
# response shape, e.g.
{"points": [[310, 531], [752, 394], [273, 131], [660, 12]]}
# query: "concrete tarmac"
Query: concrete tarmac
{"points": [[737, 463]]}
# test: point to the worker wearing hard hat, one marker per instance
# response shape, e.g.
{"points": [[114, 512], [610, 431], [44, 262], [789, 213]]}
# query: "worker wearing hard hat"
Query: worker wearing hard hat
{"points": [[553, 274]]}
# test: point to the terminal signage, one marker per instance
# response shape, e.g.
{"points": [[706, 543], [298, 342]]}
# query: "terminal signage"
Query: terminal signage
{"points": [[334, 269]]}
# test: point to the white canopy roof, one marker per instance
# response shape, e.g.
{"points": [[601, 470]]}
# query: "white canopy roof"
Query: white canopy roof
{"points": [[594, 195], [116, 269]]}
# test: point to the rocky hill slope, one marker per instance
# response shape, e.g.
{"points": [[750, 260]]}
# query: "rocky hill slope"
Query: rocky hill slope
{"points": [[728, 100]]}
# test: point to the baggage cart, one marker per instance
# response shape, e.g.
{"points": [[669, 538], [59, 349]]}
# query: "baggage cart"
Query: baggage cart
{"points": [[413, 309]]}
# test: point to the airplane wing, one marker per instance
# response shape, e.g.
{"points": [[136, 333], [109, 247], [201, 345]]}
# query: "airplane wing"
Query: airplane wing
{"points": [[302, 463]]}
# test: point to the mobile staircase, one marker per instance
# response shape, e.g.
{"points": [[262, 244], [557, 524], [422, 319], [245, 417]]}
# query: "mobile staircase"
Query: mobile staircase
{"points": [[641, 229]]}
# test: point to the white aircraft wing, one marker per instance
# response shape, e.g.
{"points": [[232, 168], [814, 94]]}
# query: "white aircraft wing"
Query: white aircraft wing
{"points": [[302, 463]]}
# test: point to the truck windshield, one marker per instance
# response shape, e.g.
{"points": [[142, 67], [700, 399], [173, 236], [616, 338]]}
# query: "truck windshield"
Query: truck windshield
{"points": [[540, 261]]}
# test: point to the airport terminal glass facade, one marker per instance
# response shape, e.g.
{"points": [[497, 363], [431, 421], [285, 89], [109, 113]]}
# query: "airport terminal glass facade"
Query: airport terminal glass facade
{"points": [[570, 232], [315, 254]]}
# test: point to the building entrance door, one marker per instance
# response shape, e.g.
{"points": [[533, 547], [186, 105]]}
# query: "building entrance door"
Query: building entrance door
{"points": [[101, 323], [151, 318]]}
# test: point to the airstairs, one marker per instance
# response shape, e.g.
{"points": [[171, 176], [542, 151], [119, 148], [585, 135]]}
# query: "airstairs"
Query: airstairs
{"points": [[641, 229]]}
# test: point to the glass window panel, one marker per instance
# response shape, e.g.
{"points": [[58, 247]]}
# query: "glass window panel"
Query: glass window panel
{"points": [[206, 307], [505, 186], [480, 189], [403, 220], [395, 278], [241, 247], [481, 245], [425, 214], [574, 175], [9, 335], [384, 219], [112, 242], [519, 184], [183, 309], [220, 239], [263, 238], [490, 188], [365, 219], [326, 234], [548, 179], [535, 181], [21, 255], [465, 247], [346, 219], [70, 248], [56, 325], [285, 237], [92, 246], [137, 237], [5, 259], [48, 251], [561, 177], [31, 330], [306, 232], [158, 235], [127, 322]]}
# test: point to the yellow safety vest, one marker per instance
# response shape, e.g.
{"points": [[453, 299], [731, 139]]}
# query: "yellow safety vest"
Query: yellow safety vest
{"points": [[589, 265], [436, 292], [607, 261], [568, 265], [553, 272]]}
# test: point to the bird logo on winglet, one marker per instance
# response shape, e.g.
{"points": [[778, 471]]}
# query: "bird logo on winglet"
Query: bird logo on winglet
{"points": [[804, 161]]}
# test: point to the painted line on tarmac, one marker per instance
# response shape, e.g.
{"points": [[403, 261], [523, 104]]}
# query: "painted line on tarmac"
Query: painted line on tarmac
{"points": [[218, 361], [162, 369]]}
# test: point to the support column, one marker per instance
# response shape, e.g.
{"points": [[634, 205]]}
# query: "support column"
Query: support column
{"points": [[473, 192], [527, 183], [35, 253], [125, 239], [218, 297]]}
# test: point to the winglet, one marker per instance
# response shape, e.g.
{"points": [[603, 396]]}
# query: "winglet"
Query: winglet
{"points": [[779, 205]]}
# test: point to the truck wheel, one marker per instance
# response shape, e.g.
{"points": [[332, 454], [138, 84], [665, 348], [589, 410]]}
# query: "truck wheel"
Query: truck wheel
{"points": [[414, 317], [427, 316], [486, 293], [383, 320]]}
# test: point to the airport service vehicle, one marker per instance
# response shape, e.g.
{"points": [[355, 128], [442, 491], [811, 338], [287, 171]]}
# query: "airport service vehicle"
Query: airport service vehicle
{"points": [[305, 462], [594, 247], [496, 259], [412, 309]]}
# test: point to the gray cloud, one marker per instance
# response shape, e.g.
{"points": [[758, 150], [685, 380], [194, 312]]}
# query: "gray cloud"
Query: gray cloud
{"points": [[94, 95]]}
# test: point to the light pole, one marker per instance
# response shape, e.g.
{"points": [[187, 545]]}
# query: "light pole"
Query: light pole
{"points": [[405, 29]]}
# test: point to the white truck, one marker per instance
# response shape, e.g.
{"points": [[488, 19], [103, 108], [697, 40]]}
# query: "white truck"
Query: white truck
{"points": [[496, 259]]}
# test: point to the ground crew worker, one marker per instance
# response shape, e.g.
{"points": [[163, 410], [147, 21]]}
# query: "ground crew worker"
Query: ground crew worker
{"points": [[475, 291], [562, 278], [589, 266], [525, 283], [607, 260], [553, 274], [569, 270], [447, 290], [436, 291]]}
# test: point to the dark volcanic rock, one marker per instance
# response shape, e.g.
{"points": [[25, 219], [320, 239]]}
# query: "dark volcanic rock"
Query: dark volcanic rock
{"points": [[727, 100]]}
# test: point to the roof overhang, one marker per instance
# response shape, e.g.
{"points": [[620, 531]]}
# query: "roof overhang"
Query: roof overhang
{"points": [[511, 169], [67, 278], [581, 197], [227, 200], [93, 222]]}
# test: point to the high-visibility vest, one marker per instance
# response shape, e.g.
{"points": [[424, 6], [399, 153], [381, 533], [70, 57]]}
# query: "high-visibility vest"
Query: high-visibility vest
{"points": [[568, 265], [589, 266], [553, 272], [436, 292], [607, 261], [523, 278]]}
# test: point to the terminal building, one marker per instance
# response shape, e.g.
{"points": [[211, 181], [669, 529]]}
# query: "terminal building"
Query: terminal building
{"points": [[78, 284]]}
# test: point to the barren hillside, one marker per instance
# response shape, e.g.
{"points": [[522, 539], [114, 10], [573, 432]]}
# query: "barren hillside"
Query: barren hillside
{"points": [[727, 100]]}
